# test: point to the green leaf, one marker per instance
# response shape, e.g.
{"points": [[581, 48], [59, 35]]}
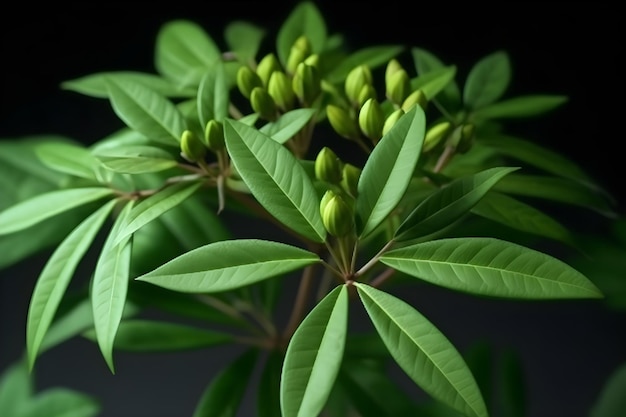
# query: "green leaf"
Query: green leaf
{"points": [[109, 286], [435, 81], [288, 124], [184, 51], [156, 336], [276, 178], [244, 40], [611, 400], [154, 206], [138, 159], [520, 107], [95, 85], [492, 267], [314, 356], [229, 264], [55, 277], [388, 170], [425, 63], [372, 57], [146, 111], [61, 402], [221, 398], [305, 19], [16, 388], [72, 159], [213, 97], [268, 393], [449, 203], [513, 213], [422, 351], [33, 210], [487, 80]]}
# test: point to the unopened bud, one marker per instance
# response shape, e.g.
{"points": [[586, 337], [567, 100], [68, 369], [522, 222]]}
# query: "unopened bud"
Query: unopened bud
{"points": [[435, 134], [214, 135], [356, 79], [328, 166], [397, 87], [366, 93], [391, 120], [393, 66], [416, 97], [350, 179], [371, 120], [300, 50], [192, 149], [306, 83], [263, 104], [468, 132], [268, 64], [247, 79], [279, 87], [342, 122], [313, 60], [337, 216]]}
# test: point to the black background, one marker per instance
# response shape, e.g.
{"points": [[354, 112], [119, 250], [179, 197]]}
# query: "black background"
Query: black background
{"points": [[568, 348]]}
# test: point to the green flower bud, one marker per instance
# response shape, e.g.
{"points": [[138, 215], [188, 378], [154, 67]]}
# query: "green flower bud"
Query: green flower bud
{"points": [[328, 195], [214, 135], [268, 64], [391, 120], [263, 104], [416, 97], [342, 122], [192, 149], [337, 216], [300, 50], [393, 66], [468, 133], [371, 120], [435, 134], [398, 86], [313, 60], [328, 167], [356, 79], [366, 93], [247, 80], [350, 179], [306, 83], [279, 87]]}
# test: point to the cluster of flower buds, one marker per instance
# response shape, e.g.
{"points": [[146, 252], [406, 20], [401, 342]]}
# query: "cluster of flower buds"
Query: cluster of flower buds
{"points": [[194, 149], [273, 88], [459, 137]]}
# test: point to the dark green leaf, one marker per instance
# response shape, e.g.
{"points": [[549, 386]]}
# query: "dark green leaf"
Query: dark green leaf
{"points": [[372, 57], [520, 107], [61, 402], [611, 401], [288, 124], [423, 352], [388, 170], [16, 388], [425, 63], [513, 396], [305, 19], [213, 97], [276, 178], [487, 80], [244, 40], [229, 264], [491, 267], [137, 159], [268, 394], [314, 356]]}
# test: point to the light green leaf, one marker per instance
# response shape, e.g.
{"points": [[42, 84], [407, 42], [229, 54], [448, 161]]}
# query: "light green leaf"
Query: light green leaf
{"points": [[372, 57], [288, 124], [94, 85], [154, 206], [487, 80], [520, 107], [18, 157], [611, 400], [146, 111], [305, 19], [221, 398], [449, 203], [72, 159], [61, 402], [244, 40], [425, 63], [16, 388], [492, 267], [423, 352], [276, 178], [44, 206], [55, 277], [184, 51], [388, 170], [137, 159], [268, 393], [314, 356], [435, 81], [228, 264], [213, 97]]}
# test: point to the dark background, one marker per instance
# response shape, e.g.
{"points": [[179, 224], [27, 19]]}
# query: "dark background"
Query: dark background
{"points": [[568, 348]]}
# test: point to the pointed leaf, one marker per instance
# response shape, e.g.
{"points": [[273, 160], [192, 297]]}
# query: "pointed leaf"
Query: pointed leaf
{"points": [[146, 111], [61, 402], [138, 159], [492, 267], [55, 277], [154, 206], [423, 352], [288, 124], [435, 81], [213, 97], [244, 40], [229, 264], [449, 203], [519, 107], [268, 394], [305, 19], [43, 206], [611, 400], [487, 80], [314, 356], [16, 388], [372, 57], [425, 63], [276, 178], [68, 158], [388, 170], [222, 396]]}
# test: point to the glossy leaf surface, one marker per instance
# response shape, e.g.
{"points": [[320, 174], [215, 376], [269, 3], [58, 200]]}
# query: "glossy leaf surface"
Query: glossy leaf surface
{"points": [[487, 80], [138, 159]]}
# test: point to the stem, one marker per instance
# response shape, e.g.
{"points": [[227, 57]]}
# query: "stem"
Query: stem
{"points": [[382, 277], [300, 304], [444, 158], [374, 260]]}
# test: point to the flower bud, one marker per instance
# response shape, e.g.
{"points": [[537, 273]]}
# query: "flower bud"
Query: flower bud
{"points": [[300, 50], [356, 79], [214, 135], [435, 134], [468, 132], [350, 179], [391, 120], [279, 87], [397, 87], [366, 93], [306, 83], [416, 97], [393, 66], [192, 149], [268, 64], [263, 104], [337, 216], [371, 120], [342, 122], [247, 80], [328, 167], [313, 60]]}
